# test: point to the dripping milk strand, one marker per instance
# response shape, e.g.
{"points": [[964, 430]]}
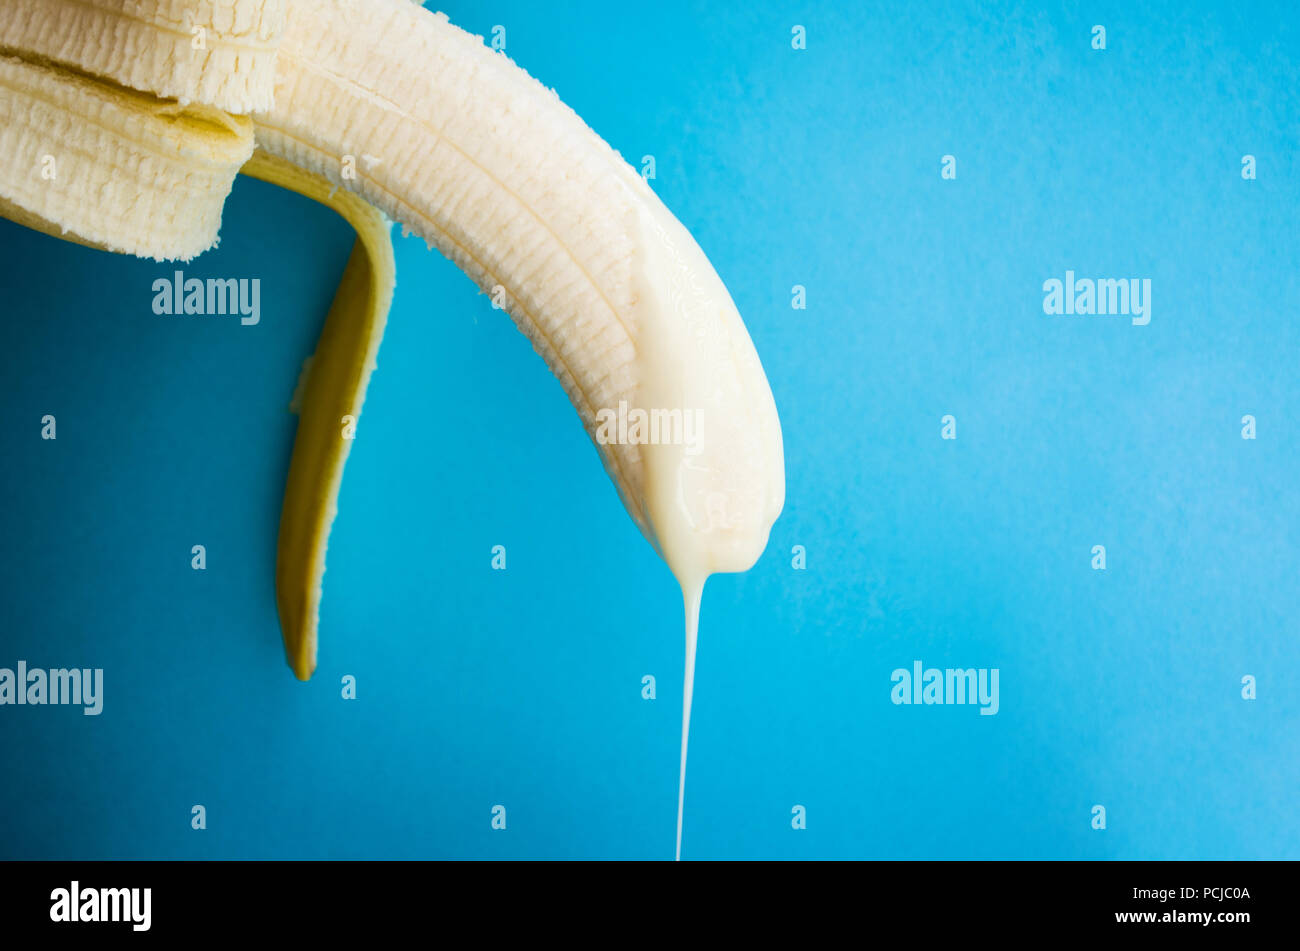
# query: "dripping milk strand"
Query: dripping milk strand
{"points": [[691, 599]]}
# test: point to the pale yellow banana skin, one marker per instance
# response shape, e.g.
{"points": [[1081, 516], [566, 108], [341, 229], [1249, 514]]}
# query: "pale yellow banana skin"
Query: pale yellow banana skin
{"points": [[335, 388]]}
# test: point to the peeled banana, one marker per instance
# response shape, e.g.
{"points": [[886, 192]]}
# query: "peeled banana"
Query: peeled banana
{"points": [[148, 108]]}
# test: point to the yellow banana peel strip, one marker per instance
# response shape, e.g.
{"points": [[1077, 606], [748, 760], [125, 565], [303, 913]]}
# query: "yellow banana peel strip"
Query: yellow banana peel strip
{"points": [[332, 396]]}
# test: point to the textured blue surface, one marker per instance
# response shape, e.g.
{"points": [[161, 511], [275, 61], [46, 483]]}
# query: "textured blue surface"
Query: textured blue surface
{"points": [[476, 687]]}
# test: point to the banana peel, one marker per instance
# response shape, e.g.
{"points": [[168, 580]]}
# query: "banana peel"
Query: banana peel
{"points": [[332, 395]]}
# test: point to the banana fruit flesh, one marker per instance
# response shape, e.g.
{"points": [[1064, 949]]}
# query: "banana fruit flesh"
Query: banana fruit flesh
{"points": [[142, 112], [112, 167], [217, 52]]}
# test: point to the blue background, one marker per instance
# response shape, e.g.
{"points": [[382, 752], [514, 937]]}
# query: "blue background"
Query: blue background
{"points": [[478, 687]]}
